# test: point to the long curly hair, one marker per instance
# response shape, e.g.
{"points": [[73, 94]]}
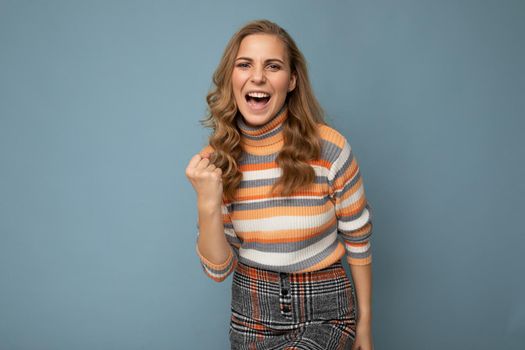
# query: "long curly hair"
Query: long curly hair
{"points": [[301, 142]]}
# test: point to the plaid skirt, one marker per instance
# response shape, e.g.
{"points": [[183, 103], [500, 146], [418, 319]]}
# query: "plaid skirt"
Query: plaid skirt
{"points": [[308, 310]]}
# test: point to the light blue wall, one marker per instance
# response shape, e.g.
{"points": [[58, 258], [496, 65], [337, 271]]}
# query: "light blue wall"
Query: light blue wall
{"points": [[99, 110]]}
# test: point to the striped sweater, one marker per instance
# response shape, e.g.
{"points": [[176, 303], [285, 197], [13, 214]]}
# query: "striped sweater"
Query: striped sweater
{"points": [[305, 231]]}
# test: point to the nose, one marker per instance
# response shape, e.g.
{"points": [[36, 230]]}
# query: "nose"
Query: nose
{"points": [[258, 75]]}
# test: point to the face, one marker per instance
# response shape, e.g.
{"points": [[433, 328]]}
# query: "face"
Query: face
{"points": [[261, 78]]}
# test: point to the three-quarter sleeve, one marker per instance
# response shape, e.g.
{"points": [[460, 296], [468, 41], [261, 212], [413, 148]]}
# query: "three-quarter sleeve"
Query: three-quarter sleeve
{"points": [[353, 212], [219, 272]]}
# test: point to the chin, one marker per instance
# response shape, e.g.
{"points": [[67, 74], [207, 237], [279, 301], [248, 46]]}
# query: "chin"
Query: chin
{"points": [[256, 118]]}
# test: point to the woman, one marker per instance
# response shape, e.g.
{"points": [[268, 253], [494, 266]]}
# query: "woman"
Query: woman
{"points": [[280, 201]]}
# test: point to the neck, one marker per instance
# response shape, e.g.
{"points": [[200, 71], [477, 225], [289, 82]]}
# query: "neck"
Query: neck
{"points": [[268, 134]]}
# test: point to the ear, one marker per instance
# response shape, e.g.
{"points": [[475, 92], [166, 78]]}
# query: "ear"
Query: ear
{"points": [[293, 81]]}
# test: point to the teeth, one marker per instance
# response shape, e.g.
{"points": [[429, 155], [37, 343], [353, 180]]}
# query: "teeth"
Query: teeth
{"points": [[258, 94]]}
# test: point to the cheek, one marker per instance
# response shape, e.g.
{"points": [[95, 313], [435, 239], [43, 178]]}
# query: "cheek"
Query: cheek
{"points": [[237, 88], [281, 84], [238, 79]]}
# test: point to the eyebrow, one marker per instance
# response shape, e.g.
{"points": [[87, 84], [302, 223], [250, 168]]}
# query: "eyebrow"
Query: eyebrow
{"points": [[268, 60]]}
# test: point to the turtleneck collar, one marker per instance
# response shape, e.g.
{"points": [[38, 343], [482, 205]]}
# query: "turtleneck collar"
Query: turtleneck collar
{"points": [[263, 135]]}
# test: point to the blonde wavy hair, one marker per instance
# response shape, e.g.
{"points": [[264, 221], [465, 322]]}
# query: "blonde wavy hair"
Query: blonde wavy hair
{"points": [[301, 142]]}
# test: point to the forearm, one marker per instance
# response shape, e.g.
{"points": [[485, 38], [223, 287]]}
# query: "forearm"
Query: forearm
{"points": [[362, 277], [212, 242]]}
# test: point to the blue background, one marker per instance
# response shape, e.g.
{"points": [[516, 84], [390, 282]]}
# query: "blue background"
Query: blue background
{"points": [[99, 110]]}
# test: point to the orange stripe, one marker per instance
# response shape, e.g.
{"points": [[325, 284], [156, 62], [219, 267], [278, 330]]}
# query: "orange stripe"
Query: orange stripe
{"points": [[338, 253]]}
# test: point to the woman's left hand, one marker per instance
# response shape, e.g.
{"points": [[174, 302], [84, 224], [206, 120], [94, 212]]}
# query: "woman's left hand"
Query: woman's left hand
{"points": [[363, 337]]}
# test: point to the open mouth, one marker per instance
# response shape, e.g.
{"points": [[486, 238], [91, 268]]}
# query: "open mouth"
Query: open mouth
{"points": [[257, 100]]}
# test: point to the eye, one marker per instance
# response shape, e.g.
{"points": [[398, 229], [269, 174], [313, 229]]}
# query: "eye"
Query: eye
{"points": [[242, 65], [274, 66]]}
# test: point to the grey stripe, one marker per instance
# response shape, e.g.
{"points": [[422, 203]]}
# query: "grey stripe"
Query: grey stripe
{"points": [[233, 240], [248, 158], [288, 202], [329, 153], [265, 135], [360, 255], [345, 166], [346, 218], [358, 239], [290, 246], [241, 123], [218, 272], [354, 180]]}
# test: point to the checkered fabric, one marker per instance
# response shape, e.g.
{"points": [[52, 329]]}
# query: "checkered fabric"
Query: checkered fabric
{"points": [[283, 311]]}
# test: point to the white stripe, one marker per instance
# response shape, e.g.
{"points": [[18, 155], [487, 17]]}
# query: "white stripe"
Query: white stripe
{"points": [[275, 223], [208, 268], [213, 273], [276, 173], [354, 249], [288, 258], [340, 161], [230, 232], [354, 224], [352, 199], [261, 174]]}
